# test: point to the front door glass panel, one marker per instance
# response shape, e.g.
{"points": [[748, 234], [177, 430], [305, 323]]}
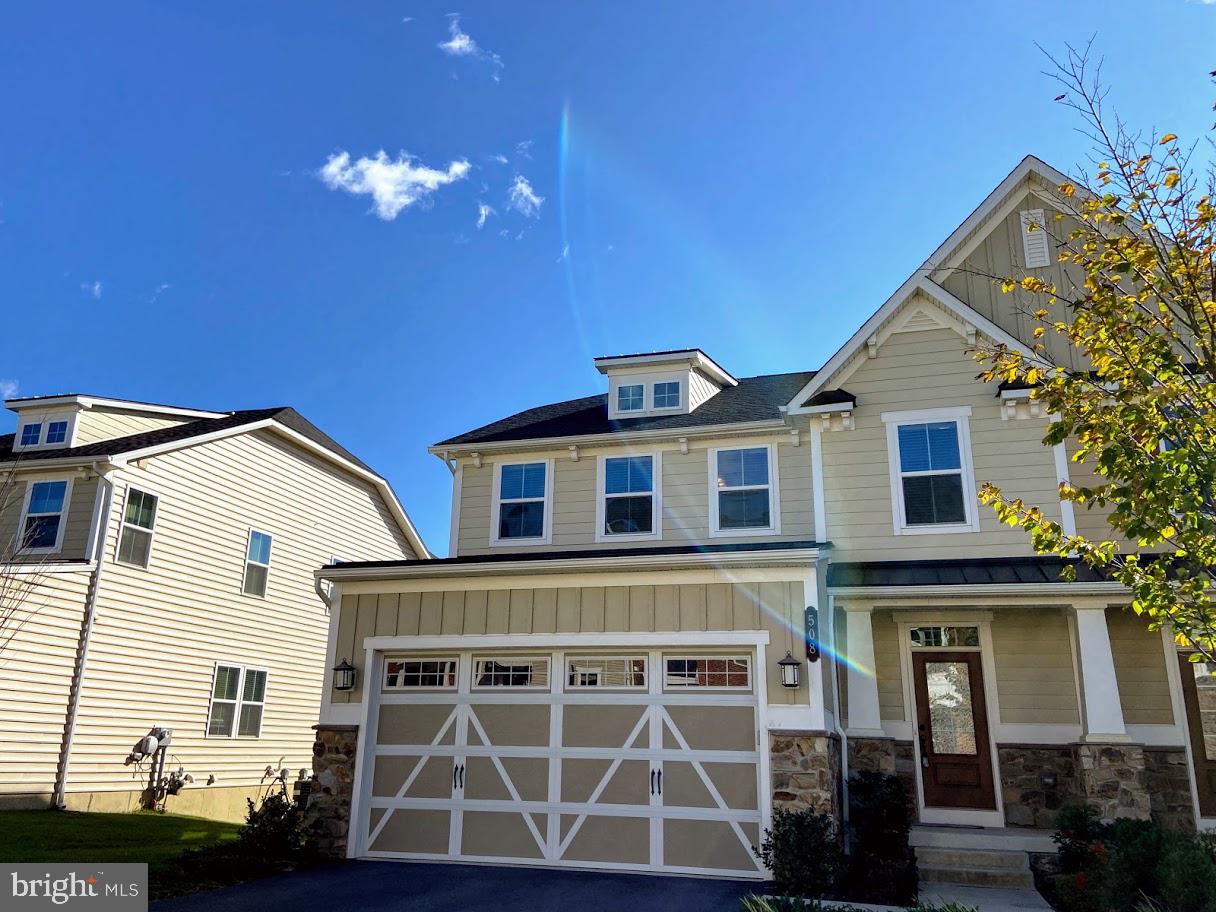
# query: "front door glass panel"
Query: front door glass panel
{"points": [[952, 718]]}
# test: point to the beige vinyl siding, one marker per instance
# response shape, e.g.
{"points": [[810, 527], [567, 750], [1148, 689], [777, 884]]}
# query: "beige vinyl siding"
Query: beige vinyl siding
{"points": [[684, 494], [78, 520], [772, 606], [160, 631], [887, 665], [924, 370], [700, 390], [37, 665], [1000, 254], [1035, 678], [98, 424], [1144, 689]]}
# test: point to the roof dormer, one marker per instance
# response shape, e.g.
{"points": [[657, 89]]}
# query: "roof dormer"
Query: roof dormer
{"points": [[661, 383], [63, 422]]}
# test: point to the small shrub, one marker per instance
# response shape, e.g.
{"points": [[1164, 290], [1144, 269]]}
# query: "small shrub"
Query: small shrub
{"points": [[273, 830], [882, 866], [803, 851], [945, 907], [1187, 875]]}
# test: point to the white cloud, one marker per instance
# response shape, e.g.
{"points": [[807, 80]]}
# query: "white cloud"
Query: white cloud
{"points": [[8, 389], [160, 290], [461, 44], [502, 159], [392, 184], [407, 18], [484, 211], [524, 149], [523, 199], [564, 255], [92, 289]]}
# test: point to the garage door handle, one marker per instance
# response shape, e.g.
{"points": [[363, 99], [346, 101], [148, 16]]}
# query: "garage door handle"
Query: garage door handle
{"points": [[652, 782], [462, 775], [660, 782], [455, 770]]}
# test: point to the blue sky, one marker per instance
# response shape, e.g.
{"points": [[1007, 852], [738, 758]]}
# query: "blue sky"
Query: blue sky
{"points": [[753, 179]]}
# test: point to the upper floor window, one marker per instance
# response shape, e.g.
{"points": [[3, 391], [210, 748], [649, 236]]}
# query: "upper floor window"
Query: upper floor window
{"points": [[667, 395], [630, 398], [742, 491], [257, 563], [31, 434], [521, 503], [931, 476], [629, 505], [138, 520], [238, 696], [42, 522]]}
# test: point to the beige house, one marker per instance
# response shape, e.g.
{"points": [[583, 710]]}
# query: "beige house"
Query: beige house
{"points": [[594, 676], [157, 574]]}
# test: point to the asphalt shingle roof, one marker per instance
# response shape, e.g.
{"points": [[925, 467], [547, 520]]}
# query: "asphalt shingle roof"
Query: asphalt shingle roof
{"points": [[754, 399]]}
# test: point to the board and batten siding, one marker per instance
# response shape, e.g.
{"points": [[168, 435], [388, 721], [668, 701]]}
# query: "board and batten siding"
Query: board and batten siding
{"points": [[684, 495], [160, 631], [97, 424], [37, 663], [772, 606], [925, 370], [77, 522]]}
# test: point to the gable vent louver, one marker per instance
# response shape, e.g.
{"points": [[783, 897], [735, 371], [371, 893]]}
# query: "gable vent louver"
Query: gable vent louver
{"points": [[1036, 244]]}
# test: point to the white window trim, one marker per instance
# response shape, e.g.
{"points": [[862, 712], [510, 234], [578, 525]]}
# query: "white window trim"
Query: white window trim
{"points": [[63, 516], [247, 561], [601, 497], [571, 660], [388, 688], [507, 660], [696, 688], [238, 702], [45, 420], [122, 525], [959, 415], [681, 392], [617, 401], [496, 502], [774, 494]]}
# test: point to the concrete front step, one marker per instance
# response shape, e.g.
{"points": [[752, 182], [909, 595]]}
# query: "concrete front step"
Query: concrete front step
{"points": [[979, 859], [977, 877]]}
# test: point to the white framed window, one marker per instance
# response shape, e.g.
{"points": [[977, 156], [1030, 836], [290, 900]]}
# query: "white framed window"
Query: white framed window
{"points": [[606, 672], [631, 397], [44, 516], [944, 637], [628, 504], [743, 491], [511, 671], [522, 508], [238, 699], [932, 479], [257, 563], [420, 673], [31, 434], [708, 672], [56, 431], [138, 521], [667, 394]]}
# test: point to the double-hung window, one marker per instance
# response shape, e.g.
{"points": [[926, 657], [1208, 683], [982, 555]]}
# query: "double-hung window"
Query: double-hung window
{"points": [[56, 432], [743, 486], [138, 520], [667, 394], [257, 563], [45, 513], [932, 483], [238, 696], [629, 505], [521, 503], [630, 397], [31, 434]]}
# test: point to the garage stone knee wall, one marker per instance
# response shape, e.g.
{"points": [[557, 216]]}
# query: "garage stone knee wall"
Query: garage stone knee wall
{"points": [[806, 771], [327, 819]]}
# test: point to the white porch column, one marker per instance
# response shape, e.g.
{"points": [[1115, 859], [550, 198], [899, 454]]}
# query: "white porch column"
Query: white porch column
{"points": [[1101, 709], [864, 719]]}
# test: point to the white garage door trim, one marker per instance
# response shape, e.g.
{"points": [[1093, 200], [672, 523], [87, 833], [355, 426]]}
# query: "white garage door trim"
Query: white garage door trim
{"points": [[550, 842]]}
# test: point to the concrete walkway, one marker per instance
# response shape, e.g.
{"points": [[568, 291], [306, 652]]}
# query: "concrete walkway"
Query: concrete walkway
{"points": [[987, 899]]}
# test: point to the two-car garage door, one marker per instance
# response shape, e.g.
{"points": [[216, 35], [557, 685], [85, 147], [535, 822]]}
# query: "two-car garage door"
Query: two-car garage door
{"points": [[646, 760]]}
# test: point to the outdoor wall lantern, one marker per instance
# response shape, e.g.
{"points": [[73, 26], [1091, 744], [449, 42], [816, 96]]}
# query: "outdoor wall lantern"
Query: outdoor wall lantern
{"points": [[344, 676], [789, 670]]}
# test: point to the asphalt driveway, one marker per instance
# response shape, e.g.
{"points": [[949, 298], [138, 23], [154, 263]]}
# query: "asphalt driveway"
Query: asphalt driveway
{"points": [[390, 886]]}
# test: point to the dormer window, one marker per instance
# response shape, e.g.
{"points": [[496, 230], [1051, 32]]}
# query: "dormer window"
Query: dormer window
{"points": [[57, 432], [667, 395], [31, 434], [631, 398], [55, 429]]}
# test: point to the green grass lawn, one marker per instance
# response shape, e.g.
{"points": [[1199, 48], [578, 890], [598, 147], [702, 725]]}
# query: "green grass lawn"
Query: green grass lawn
{"points": [[157, 839]]}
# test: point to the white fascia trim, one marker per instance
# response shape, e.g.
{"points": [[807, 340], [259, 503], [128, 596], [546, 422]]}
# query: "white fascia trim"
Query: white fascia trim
{"points": [[38, 569], [549, 641], [386, 490], [1016, 394], [445, 451], [88, 402], [830, 408], [693, 357], [785, 557], [1063, 590]]}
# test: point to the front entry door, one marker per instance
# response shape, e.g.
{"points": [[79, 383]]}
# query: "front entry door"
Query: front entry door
{"points": [[1199, 696], [952, 725]]}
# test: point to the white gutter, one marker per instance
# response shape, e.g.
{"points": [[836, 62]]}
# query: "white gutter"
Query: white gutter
{"points": [[438, 569], [82, 651]]}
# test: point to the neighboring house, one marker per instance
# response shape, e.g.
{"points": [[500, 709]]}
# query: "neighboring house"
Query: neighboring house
{"points": [[157, 572], [594, 676]]}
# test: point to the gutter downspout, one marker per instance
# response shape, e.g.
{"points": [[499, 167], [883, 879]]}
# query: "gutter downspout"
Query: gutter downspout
{"points": [[82, 650], [844, 738]]}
